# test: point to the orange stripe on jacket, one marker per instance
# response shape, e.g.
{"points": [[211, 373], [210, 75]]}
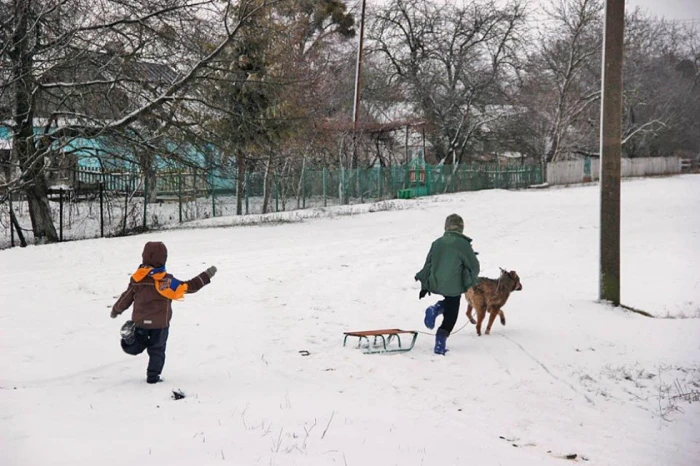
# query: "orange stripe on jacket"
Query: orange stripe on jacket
{"points": [[170, 288]]}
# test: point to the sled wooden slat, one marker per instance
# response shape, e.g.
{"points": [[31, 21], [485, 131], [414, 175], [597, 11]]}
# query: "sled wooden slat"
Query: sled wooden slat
{"points": [[386, 336]]}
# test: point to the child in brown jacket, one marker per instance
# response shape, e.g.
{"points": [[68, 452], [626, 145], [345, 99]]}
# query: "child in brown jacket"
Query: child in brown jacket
{"points": [[152, 290]]}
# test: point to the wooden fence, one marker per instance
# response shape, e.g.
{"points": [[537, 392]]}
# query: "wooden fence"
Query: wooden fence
{"points": [[585, 170]]}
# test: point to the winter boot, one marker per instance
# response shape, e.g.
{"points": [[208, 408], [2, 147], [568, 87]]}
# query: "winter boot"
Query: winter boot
{"points": [[440, 342], [153, 378], [128, 332], [431, 314]]}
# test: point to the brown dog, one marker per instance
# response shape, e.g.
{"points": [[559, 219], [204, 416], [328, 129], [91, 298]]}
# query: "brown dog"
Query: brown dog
{"points": [[490, 295]]}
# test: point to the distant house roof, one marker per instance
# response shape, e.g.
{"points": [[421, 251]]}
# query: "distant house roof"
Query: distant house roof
{"points": [[99, 85], [371, 126], [131, 68]]}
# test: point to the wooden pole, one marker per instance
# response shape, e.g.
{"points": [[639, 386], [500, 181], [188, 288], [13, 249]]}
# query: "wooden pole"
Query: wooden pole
{"points": [[610, 150], [358, 88]]}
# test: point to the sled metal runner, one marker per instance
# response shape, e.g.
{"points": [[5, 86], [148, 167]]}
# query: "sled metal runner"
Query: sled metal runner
{"points": [[382, 340]]}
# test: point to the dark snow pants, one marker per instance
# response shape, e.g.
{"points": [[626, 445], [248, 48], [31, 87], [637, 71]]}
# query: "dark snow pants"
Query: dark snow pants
{"points": [[153, 340], [449, 314]]}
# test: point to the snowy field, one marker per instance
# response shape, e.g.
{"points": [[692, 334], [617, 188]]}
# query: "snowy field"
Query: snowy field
{"points": [[566, 376]]}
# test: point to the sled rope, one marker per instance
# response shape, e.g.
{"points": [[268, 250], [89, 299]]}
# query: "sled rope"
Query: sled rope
{"points": [[452, 333]]}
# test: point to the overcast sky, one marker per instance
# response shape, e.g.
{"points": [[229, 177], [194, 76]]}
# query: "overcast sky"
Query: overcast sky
{"points": [[670, 9], [681, 10]]}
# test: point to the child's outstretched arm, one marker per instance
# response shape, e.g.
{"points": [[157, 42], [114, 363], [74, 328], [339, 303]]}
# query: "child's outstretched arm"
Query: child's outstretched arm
{"points": [[201, 280], [124, 301]]}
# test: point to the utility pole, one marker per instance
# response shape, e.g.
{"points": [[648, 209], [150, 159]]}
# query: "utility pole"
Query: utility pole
{"points": [[358, 86], [610, 151]]}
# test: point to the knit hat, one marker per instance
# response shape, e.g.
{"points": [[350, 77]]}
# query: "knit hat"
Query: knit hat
{"points": [[454, 222]]}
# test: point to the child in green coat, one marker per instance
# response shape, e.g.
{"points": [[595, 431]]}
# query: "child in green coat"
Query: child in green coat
{"points": [[450, 269]]}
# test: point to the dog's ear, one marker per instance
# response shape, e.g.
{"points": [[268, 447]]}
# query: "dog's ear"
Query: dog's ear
{"points": [[503, 270]]}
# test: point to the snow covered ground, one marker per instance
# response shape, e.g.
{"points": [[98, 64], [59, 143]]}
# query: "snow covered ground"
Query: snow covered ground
{"points": [[567, 375]]}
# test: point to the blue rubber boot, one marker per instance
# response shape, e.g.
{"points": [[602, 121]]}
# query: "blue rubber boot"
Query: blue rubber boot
{"points": [[440, 343], [431, 314]]}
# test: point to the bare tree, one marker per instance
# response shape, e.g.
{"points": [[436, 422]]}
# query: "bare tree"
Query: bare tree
{"points": [[72, 72], [661, 104], [566, 71], [454, 63], [560, 87], [264, 98]]}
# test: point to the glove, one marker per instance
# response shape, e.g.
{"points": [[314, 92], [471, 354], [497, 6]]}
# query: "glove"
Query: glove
{"points": [[211, 271], [422, 294], [113, 314]]}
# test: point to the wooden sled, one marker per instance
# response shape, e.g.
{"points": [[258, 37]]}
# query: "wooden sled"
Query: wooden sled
{"points": [[383, 346]]}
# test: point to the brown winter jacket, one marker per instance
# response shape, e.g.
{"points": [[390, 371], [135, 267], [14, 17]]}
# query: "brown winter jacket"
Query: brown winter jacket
{"points": [[151, 309]]}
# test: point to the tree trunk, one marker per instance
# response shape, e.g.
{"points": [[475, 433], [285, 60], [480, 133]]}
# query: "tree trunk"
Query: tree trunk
{"points": [[30, 160], [152, 186], [267, 184], [40, 212], [551, 154], [147, 162], [543, 167], [240, 181], [18, 228]]}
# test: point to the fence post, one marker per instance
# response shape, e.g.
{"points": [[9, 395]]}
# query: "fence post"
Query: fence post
{"points": [[12, 225], [245, 190], [277, 194], [60, 214], [391, 191], [323, 177], [359, 173], [213, 201], [126, 204], [179, 194], [429, 177], [145, 198], [303, 188], [343, 187], [102, 216], [380, 175]]}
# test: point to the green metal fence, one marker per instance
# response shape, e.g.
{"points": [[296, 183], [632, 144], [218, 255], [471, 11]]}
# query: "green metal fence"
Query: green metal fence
{"points": [[90, 203], [335, 185]]}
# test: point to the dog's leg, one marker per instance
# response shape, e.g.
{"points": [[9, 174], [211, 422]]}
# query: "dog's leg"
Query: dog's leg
{"points": [[503, 316], [469, 313], [492, 317], [480, 314]]}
